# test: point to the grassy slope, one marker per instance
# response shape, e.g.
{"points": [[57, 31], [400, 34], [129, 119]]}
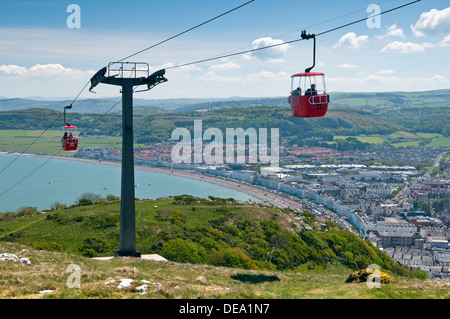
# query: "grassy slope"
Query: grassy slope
{"points": [[48, 269], [177, 280]]}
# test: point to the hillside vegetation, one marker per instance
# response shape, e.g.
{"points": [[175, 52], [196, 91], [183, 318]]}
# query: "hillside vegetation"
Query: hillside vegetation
{"points": [[350, 114], [212, 231], [216, 249]]}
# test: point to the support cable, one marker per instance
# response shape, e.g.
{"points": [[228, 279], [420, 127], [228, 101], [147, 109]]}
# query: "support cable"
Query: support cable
{"points": [[208, 60], [148, 48], [190, 29], [287, 42], [48, 160]]}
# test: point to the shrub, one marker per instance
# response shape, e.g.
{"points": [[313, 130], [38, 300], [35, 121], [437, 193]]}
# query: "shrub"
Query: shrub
{"points": [[183, 251], [111, 198], [50, 246], [231, 260], [178, 218], [363, 274], [57, 206], [85, 202], [27, 211], [93, 246], [232, 257], [7, 216]]}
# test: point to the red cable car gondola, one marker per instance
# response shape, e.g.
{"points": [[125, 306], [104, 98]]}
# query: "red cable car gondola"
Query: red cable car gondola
{"points": [[309, 99], [69, 141]]}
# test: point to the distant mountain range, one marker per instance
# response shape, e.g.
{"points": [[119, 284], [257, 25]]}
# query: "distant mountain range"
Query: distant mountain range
{"points": [[353, 100]]}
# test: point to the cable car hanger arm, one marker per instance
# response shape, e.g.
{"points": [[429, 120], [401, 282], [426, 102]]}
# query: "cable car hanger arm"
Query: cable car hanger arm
{"points": [[66, 107], [307, 37]]}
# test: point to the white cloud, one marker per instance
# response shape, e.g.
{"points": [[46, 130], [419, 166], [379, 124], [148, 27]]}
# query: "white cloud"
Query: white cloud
{"points": [[432, 22], [184, 69], [350, 40], [225, 66], [445, 42], [274, 54], [406, 47], [380, 83], [253, 77], [267, 75], [387, 71], [211, 77], [347, 66], [12, 70], [44, 70], [393, 31]]}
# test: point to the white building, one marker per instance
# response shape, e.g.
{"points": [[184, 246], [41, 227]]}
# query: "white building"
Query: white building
{"points": [[394, 225]]}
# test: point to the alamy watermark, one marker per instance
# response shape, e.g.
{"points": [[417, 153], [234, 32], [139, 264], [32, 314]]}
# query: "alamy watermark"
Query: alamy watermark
{"points": [[374, 20], [74, 19], [74, 279], [373, 280], [192, 150]]}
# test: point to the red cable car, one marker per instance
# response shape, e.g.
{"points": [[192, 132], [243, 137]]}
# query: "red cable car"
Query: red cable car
{"points": [[69, 141], [309, 99]]}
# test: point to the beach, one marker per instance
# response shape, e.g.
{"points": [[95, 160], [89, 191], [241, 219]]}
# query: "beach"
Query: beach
{"points": [[263, 195]]}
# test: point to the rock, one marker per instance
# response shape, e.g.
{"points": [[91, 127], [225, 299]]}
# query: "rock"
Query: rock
{"points": [[125, 283], [45, 291], [25, 261], [14, 258], [143, 289]]}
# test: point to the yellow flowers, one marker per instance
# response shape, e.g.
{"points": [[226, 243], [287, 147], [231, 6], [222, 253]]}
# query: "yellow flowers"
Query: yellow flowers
{"points": [[363, 275]]}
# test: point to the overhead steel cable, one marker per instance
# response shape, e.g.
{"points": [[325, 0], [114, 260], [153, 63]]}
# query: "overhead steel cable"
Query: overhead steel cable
{"points": [[52, 156], [43, 132], [287, 42], [148, 48], [190, 29], [374, 15], [312, 25], [34, 141], [221, 57]]}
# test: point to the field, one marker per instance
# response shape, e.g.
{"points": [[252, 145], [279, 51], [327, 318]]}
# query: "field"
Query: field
{"points": [[404, 139], [47, 142]]}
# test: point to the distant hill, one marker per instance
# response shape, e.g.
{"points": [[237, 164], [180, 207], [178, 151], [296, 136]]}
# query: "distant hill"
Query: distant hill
{"points": [[158, 127], [368, 101], [350, 114], [380, 100]]}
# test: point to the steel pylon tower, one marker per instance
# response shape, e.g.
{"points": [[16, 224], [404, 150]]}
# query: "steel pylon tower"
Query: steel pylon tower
{"points": [[127, 75]]}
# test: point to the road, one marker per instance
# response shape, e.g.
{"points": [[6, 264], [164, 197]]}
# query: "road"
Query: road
{"points": [[427, 175]]}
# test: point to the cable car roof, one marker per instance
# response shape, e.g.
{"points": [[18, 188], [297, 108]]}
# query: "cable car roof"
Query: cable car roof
{"points": [[308, 74], [69, 127]]}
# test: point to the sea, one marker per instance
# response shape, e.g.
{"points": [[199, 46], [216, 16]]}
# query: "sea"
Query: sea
{"points": [[29, 180]]}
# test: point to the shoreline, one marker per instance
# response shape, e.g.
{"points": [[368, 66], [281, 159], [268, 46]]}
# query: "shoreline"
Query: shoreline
{"points": [[264, 196]]}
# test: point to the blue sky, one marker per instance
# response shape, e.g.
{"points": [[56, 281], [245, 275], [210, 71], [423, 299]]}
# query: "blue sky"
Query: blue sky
{"points": [[41, 56]]}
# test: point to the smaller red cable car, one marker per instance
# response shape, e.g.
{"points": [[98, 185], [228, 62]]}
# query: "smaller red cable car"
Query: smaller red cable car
{"points": [[69, 141], [309, 99]]}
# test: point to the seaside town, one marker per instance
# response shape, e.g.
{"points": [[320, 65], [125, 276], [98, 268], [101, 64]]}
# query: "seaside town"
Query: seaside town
{"points": [[396, 198]]}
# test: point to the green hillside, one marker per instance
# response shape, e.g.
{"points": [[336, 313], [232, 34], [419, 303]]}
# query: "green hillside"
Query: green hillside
{"points": [[211, 231], [217, 249], [405, 117]]}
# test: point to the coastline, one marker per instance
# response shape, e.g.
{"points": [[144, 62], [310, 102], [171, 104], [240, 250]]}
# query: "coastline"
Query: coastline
{"points": [[263, 195]]}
